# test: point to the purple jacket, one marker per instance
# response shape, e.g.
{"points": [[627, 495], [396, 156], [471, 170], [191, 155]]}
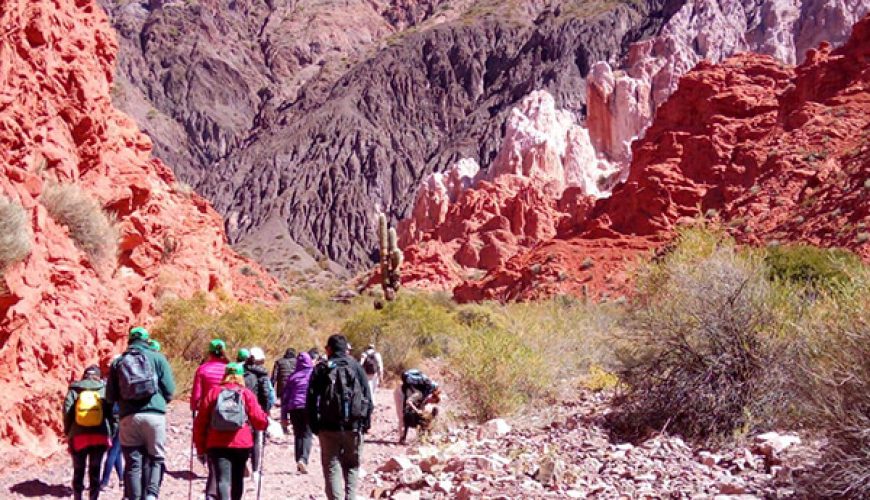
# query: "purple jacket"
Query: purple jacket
{"points": [[296, 386]]}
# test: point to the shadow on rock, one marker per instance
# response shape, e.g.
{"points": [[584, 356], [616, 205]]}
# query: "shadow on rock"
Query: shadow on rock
{"points": [[35, 488]]}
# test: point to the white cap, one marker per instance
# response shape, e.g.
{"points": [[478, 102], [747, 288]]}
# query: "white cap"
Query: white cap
{"points": [[257, 354]]}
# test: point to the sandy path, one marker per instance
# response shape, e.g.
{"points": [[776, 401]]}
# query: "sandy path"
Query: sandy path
{"points": [[281, 481]]}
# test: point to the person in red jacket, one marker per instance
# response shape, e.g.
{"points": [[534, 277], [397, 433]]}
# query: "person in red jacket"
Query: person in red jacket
{"points": [[228, 450], [209, 375]]}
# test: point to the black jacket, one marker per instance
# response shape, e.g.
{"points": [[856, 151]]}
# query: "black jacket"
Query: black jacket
{"points": [[318, 386], [283, 368], [258, 381]]}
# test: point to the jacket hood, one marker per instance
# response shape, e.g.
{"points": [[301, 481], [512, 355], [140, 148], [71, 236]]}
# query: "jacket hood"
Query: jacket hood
{"points": [[87, 385], [257, 370], [303, 362]]}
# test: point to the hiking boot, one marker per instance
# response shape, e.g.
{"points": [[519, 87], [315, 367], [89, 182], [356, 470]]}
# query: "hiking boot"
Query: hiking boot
{"points": [[301, 467]]}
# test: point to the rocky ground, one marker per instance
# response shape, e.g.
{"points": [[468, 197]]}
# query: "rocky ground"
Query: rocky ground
{"points": [[559, 451]]}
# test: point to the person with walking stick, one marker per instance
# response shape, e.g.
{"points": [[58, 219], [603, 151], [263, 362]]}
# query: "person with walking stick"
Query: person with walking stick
{"points": [[222, 429]]}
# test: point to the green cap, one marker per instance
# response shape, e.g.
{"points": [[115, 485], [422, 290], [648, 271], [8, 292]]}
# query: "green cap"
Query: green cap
{"points": [[138, 333], [154, 345], [216, 346], [234, 369], [243, 355]]}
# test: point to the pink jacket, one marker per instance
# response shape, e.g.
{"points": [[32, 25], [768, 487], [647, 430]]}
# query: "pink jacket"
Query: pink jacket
{"points": [[208, 375]]}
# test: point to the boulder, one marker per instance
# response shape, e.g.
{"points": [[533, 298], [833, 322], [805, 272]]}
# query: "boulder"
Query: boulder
{"points": [[493, 429]]}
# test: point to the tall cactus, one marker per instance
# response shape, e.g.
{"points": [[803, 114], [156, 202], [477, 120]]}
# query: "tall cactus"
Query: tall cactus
{"points": [[391, 258]]}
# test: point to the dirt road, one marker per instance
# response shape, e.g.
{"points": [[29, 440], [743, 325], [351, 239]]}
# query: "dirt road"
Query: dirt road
{"points": [[281, 481]]}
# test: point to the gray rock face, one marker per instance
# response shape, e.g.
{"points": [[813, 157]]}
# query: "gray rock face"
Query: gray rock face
{"points": [[299, 118], [324, 161]]}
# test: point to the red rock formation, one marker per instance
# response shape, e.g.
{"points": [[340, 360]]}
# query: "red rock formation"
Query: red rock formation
{"points": [[776, 153], [60, 311]]}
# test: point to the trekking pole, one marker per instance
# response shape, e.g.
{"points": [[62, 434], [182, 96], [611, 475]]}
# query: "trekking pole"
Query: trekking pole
{"points": [[190, 468], [262, 464]]}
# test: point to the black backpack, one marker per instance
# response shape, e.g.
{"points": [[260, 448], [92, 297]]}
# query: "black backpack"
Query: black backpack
{"points": [[370, 365], [343, 401], [136, 377], [229, 411]]}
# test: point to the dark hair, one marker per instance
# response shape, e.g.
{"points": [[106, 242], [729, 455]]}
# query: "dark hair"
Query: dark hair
{"points": [[290, 353], [337, 343]]}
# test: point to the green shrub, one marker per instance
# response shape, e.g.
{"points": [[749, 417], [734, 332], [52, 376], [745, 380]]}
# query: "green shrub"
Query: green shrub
{"points": [[186, 326], [498, 372], [405, 331], [90, 228], [697, 356], [16, 234], [809, 266], [833, 379]]}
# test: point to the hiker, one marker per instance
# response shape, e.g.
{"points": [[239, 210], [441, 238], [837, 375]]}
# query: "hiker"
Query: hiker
{"points": [[242, 355], [141, 382], [339, 408], [222, 430], [282, 369], [208, 375], [113, 456], [88, 423], [258, 381], [373, 365], [293, 404], [417, 390]]}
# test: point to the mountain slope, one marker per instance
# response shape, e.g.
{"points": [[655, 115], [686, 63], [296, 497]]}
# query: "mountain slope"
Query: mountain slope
{"points": [[777, 154], [61, 308]]}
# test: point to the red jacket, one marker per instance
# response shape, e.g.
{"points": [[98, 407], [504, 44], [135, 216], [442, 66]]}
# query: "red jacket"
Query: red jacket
{"points": [[208, 375], [205, 438]]}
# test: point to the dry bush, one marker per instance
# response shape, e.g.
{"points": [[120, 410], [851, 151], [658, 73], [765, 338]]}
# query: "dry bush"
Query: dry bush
{"points": [[698, 356], [91, 229], [16, 234], [834, 385]]}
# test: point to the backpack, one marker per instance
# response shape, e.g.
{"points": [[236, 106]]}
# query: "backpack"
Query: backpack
{"points": [[89, 409], [415, 378], [229, 411], [344, 402], [136, 376], [370, 365]]}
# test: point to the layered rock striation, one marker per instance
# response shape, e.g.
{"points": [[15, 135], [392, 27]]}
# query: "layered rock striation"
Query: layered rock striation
{"points": [[62, 309], [776, 153]]}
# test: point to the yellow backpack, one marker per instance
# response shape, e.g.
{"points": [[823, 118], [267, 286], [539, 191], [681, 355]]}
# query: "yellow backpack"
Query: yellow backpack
{"points": [[89, 409]]}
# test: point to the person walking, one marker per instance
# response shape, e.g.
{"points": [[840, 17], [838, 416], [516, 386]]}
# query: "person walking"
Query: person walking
{"points": [[140, 380], [257, 380], [410, 398], [88, 423], [339, 407], [293, 404], [222, 430], [113, 456], [373, 365], [209, 375], [282, 369]]}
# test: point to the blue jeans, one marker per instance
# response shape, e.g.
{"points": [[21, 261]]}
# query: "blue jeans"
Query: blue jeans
{"points": [[113, 461]]}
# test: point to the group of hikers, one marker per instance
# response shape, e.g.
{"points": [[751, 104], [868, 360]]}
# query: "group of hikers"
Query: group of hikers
{"points": [[329, 395]]}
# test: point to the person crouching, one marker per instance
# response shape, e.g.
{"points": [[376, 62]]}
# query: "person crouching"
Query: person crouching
{"points": [[221, 430]]}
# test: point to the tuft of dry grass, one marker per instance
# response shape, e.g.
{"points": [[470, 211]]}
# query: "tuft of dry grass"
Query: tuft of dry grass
{"points": [[90, 227], [16, 234]]}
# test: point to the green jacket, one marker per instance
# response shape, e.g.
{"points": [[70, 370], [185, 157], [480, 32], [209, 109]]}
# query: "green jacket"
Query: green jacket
{"points": [[70, 427], [165, 382]]}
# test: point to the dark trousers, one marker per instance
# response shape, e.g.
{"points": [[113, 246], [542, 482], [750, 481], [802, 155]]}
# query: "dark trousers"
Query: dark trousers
{"points": [[113, 461], [302, 436], [229, 471], [142, 473], [90, 457]]}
